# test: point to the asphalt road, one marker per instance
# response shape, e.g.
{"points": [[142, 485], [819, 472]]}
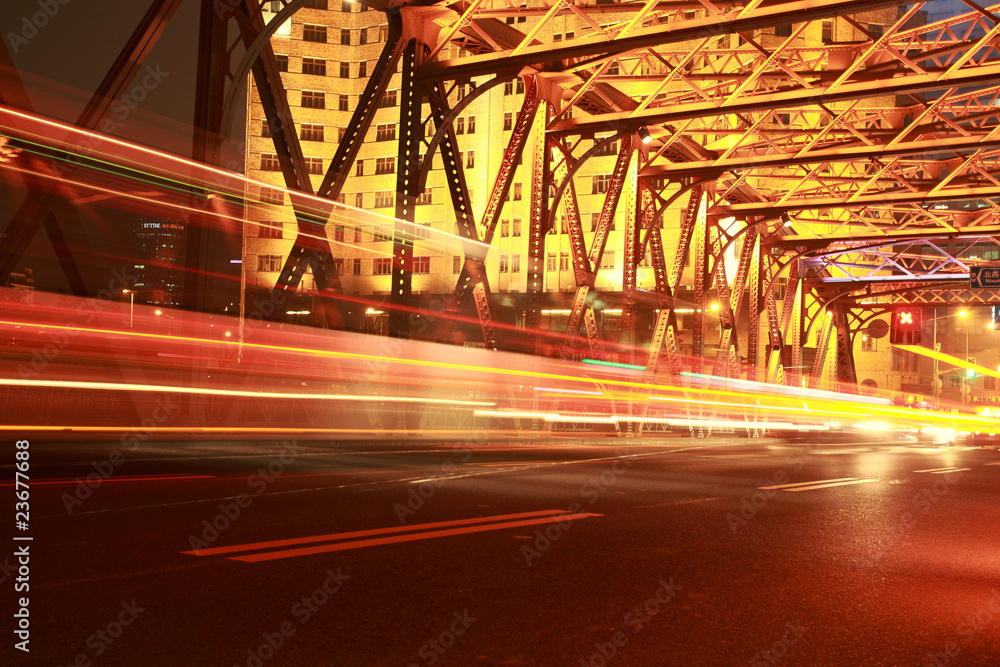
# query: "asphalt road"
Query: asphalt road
{"points": [[627, 552]]}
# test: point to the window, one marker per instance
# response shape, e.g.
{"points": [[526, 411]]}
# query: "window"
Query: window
{"points": [[383, 199], [991, 255], [272, 196], [314, 165], [316, 4], [508, 121], [456, 264], [363, 36], [868, 343], [460, 92], [359, 202], [338, 233], [610, 148], [359, 168], [314, 33], [315, 66], [388, 99], [346, 5], [783, 30], [338, 265], [460, 126], [613, 68], [265, 129], [472, 124], [564, 261], [313, 99], [269, 229], [269, 162], [312, 132], [385, 165], [520, 86], [504, 228], [508, 88], [345, 70], [362, 66], [503, 263], [601, 184], [515, 263], [608, 260], [515, 229], [517, 191], [421, 264], [425, 196], [356, 269], [269, 262], [282, 62], [828, 32], [557, 37], [357, 233], [382, 266], [570, 35], [383, 33], [876, 30], [470, 161], [345, 37], [595, 219], [422, 231], [342, 103], [550, 262], [989, 383], [385, 132]]}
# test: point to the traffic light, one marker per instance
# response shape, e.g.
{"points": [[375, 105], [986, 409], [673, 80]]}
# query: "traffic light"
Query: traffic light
{"points": [[970, 373], [906, 325]]}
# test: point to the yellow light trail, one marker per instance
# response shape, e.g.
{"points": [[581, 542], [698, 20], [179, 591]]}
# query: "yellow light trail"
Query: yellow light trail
{"points": [[118, 386]]}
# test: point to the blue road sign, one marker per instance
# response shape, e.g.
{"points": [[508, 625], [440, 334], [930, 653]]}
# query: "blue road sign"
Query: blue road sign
{"points": [[985, 277]]}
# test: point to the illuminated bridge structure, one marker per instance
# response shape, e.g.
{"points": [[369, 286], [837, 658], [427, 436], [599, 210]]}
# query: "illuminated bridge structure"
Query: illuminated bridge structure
{"points": [[846, 176]]}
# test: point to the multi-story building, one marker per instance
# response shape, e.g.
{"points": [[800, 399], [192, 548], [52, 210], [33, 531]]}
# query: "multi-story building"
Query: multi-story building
{"points": [[159, 261], [326, 53]]}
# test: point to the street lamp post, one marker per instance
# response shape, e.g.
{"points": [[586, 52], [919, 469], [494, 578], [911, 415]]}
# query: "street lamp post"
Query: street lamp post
{"points": [[131, 305], [963, 314]]}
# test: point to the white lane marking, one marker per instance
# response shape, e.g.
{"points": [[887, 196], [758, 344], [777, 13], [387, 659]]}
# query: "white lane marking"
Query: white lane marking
{"points": [[825, 486], [945, 472], [818, 481], [993, 464], [939, 470]]}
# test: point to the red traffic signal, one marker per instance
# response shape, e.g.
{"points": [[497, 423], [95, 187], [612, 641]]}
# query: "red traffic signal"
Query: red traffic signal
{"points": [[906, 326]]}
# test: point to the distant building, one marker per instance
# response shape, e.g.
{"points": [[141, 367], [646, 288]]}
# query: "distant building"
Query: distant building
{"points": [[22, 279], [159, 261]]}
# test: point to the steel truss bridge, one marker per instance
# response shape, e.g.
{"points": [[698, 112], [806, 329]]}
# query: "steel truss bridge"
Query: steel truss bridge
{"points": [[838, 161]]}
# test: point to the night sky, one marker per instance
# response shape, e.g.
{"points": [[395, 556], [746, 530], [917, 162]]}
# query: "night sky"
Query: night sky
{"points": [[61, 63]]}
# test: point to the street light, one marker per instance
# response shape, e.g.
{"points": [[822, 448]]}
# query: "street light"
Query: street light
{"points": [[131, 305], [963, 314]]}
